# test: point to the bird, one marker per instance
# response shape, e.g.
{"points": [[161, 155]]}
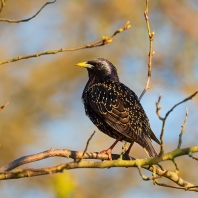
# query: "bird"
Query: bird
{"points": [[114, 108]]}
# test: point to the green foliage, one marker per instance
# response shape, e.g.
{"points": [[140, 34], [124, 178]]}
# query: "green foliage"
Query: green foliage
{"points": [[64, 185]]}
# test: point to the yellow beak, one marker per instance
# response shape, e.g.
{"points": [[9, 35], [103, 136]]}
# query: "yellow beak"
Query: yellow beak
{"points": [[84, 64]]}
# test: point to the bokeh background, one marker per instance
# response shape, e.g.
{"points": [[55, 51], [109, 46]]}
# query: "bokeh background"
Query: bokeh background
{"points": [[44, 93]]}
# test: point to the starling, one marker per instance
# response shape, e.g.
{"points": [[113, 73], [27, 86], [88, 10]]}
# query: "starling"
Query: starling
{"points": [[114, 108]]}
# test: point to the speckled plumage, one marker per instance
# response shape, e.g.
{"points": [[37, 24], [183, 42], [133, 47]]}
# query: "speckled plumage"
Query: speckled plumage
{"points": [[114, 108]]}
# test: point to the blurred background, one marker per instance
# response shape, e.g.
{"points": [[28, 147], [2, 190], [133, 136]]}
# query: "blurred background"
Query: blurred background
{"points": [[44, 93]]}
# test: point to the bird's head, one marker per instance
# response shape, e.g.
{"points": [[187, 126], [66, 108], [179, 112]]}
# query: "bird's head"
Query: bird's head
{"points": [[101, 68]]}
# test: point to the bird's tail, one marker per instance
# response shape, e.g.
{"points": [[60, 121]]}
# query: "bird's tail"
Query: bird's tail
{"points": [[149, 148]]}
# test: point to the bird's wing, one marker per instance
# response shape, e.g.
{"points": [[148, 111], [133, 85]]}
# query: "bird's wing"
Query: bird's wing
{"points": [[138, 112], [108, 104]]}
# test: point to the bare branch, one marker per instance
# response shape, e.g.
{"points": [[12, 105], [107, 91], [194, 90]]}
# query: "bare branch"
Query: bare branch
{"points": [[183, 129], [145, 178], [173, 176], [2, 5], [98, 43], [163, 125], [55, 153], [190, 187], [6, 173], [164, 119], [86, 146], [95, 155], [151, 52], [185, 100], [168, 185], [174, 162], [193, 157], [158, 108], [28, 19], [5, 105]]}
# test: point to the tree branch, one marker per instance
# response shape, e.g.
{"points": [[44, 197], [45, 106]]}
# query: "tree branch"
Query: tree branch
{"points": [[105, 40], [86, 146], [183, 129], [2, 5], [3, 106], [6, 173], [95, 155], [25, 20], [167, 114], [151, 52]]}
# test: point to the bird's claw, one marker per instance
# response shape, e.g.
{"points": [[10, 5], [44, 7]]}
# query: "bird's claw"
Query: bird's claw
{"points": [[127, 156], [108, 152]]}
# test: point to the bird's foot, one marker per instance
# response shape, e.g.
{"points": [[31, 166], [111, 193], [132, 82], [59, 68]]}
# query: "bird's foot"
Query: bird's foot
{"points": [[127, 156], [108, 152]]}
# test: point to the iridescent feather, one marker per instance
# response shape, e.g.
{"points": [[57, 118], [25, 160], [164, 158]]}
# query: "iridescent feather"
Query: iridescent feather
{"points": [[114, 108]]}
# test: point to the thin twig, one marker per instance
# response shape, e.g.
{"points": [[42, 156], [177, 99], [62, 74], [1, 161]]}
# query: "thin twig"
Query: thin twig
{"points": [[193, 157], [86, 146], [158, 108], [28, 19], [174, 162], [162, 138], [187, 188], [183, 129], [151, 52], [154, 174], [168, 174], [164, 121], [168, 185], [185, 100], [145, 178], [5, 105], [2, 5], [104, 41]]}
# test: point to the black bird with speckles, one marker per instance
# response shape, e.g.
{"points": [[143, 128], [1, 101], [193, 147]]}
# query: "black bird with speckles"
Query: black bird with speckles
{"points": [[114, 108]]}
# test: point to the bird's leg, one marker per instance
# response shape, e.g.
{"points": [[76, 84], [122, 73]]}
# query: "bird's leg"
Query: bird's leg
{"points": [[108, 151], [128, 151]]}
